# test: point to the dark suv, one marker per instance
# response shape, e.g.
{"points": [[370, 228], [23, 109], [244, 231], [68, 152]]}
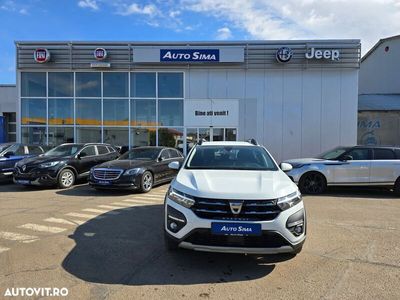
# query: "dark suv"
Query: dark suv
{"points": [[62, 165], [10, 153]]}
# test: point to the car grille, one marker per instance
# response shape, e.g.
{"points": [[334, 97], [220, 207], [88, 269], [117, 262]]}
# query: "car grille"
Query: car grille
{"points": [[252, 210], [27, 169], [107, 174], [267, 240]]}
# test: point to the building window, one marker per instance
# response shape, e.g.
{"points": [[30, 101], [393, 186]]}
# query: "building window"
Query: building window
{"points": [[88, 84], [170, 85], [88, 111], [33, 111], [143, 85], [143, 136], [115, 112], [60, 135], [115, 84], [11, 126], [170, 112], [88, 135], [33, 135], [116, 136], [33, 84], [61, 111], [143, 112], [171, 137], [61, 84]]}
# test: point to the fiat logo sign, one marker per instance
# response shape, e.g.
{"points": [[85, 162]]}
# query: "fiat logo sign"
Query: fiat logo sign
{"points": [[41, 55], [100, 53]]}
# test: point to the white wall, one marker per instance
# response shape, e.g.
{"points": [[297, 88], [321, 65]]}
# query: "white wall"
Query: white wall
{"points": [[380, 71], [294, 113]]}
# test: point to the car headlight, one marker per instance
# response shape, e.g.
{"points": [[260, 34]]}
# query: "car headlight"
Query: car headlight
{"points": [[49, 164], [132, 171], [180, 198], [289, 200]]}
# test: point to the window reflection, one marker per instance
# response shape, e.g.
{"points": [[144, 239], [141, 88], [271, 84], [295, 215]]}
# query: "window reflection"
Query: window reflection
{"points": [[33, 84], [170, 85], [171, 137], [88, 135], [61, 84], [61, 111], [60, 135], [33, 111], [115, 84], [33, 135], [116, 136], [143, 84], [170, 112], [143, 112], [88, 111], [143, 136], [115, 112], [88, 84]]}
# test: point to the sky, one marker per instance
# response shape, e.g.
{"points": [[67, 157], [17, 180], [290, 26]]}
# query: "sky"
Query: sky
{"points": [[191, 20]]}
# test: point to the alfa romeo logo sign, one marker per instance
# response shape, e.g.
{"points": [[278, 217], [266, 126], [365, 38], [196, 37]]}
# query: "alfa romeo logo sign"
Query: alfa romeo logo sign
{"points": [[100, 53], [284, 54], [41, 55]]}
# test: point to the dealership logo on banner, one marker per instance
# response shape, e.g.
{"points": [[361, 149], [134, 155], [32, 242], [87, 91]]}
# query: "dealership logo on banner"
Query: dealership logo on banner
{"points": [[284, 54], [100, 53], [41, 55], [191, 55]]}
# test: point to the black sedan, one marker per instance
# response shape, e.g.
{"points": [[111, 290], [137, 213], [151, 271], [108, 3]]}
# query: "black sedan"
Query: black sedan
{"points": [[138, 169]]}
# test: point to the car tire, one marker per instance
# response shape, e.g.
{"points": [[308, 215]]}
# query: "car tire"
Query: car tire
{"points": [[146, 183], [170, 244], [66, 179], [396, 187], [312, 183]]}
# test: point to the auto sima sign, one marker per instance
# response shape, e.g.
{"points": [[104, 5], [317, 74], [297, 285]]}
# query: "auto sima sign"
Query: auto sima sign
{"points": [[189, 55]]}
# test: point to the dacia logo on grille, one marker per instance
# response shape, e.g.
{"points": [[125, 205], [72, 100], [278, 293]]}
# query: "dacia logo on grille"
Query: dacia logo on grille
{"points": [[24, 168], [236, 207]]}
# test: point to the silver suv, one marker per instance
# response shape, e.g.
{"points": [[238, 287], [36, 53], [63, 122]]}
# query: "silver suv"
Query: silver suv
{"points": [[348, 166]]}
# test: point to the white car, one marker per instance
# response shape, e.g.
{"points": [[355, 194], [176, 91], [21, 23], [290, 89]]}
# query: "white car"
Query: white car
{"points": [[233, 197]]}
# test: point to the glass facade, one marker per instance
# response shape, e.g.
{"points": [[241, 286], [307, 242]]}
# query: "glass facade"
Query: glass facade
{"points": [[120, 108]]}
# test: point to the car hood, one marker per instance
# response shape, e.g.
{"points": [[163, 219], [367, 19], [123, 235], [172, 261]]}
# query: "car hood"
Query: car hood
{"points": [[303, 161], [40, 160], [125, 164], [234, 184]]}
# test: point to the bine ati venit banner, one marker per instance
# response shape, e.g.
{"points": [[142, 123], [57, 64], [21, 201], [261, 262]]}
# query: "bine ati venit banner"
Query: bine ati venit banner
{"points": [[210, 112]]}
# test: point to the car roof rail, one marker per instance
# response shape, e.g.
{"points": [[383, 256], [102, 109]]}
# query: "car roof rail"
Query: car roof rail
{"points": [[253, 142]]}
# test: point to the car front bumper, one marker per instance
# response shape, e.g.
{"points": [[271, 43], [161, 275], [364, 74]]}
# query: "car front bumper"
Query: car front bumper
{"points": [[125, 182], [38, 177], [275, 238]]}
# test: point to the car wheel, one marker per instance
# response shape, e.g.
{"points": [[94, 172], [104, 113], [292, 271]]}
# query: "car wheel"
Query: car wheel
{"points": [[312, 183], [396, 187], [170, 244], [66, 179], [147, 182]]}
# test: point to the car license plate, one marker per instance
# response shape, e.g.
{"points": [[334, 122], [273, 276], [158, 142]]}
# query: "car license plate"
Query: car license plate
{"points": [[104, 182], [23, 182], [236, 228]]}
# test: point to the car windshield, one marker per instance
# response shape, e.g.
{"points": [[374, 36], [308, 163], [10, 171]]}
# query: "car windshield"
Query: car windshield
{"points": [[333, 153], [141, 153], [64, 150], [230, 158]]}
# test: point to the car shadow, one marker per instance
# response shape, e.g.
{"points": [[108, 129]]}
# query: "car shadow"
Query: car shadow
{"points": [[359, 192], [128, 249]]}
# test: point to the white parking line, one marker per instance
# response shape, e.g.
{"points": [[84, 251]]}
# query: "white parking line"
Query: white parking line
{"points": [[42, 228], [113, 207], [134, 201], [121, 204], [12, 236], [101, 211], [148, 198], [59, 221], [3, 249], [84, 216], [153, 201]]}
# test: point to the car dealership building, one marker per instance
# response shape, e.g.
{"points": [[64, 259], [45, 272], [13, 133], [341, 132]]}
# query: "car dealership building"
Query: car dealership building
{"points": [[298, 98]]}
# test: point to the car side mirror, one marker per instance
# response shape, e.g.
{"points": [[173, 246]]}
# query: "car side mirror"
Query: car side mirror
{"points": [[80, 155], [347, 157], [174, 165], [285, 167], [9, 154]]}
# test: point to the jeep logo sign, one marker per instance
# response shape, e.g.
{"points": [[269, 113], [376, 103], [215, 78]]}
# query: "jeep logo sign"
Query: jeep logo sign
{"points": [[332, 54], [189, 55]]}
